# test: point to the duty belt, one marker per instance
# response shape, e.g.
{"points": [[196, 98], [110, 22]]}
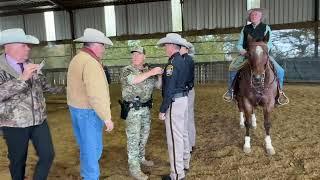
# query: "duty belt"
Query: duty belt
{"points": [[181, 94]]}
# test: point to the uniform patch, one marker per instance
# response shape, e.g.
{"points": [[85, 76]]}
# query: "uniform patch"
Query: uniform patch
{"points": [[169, 70]]}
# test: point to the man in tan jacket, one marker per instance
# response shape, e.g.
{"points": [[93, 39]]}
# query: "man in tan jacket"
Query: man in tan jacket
{"points": [[89, 100]]}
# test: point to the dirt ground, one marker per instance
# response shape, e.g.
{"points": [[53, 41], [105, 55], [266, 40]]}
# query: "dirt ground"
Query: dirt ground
{"points": [[295, 135]]}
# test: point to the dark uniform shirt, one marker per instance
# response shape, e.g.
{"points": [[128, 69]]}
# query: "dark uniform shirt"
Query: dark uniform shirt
{"points": [[190, 63], [174, 80], [106, 71]]}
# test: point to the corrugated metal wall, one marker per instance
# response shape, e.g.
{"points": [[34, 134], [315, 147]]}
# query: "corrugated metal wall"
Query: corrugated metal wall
{"points": [[210, 14], [318, 9], [121, 19], [11, 22], [89, 18], [289, 11], [35, 25], [62, 25], [144, 18]]}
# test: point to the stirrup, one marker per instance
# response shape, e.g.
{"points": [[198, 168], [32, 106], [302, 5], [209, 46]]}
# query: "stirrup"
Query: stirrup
{"points": [[226, 97], [286, 99]]}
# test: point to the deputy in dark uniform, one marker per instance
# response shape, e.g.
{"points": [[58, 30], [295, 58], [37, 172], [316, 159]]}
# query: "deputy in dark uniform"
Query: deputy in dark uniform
{"points": [[187, 52], [175, 104]]}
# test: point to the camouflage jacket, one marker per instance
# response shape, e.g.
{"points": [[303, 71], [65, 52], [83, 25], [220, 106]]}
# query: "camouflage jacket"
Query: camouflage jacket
{"points": [[143, 90], [22, 104]]}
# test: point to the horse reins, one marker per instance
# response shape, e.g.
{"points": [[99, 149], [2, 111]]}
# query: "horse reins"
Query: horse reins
{"points": [[260, 88]]}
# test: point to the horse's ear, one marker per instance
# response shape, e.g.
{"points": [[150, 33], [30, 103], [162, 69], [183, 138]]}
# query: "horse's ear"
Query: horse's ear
{"points": [[250, 38], [266, 37]]}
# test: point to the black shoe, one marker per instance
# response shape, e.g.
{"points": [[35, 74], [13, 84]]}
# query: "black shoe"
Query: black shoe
{"points": [[166, 177], [186, 170]]}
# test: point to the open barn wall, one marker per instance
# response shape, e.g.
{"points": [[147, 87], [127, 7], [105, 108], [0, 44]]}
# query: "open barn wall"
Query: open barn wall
{"points": [[136, 23]]}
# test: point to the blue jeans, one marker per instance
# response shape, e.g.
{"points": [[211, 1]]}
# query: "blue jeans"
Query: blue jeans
{"points": [[88, 127], [279, 71]]}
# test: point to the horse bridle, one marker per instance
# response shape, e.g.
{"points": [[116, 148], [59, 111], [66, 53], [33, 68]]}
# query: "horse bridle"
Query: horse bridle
{"points": [[260, 88]]}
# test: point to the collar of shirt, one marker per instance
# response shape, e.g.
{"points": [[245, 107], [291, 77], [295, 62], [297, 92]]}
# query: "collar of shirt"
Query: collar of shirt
{"points": [[14, 64], [173, 55], [143, 69], [255, 25], [185, 54], [91, 53]]}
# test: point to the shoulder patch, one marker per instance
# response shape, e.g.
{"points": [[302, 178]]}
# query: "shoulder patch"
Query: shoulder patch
{"points": [[169, 70]]}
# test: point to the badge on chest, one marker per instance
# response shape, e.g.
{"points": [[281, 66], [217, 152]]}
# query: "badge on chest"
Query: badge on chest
{"points": [[169, 70]]}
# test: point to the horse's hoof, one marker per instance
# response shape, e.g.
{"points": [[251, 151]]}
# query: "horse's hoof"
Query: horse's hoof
{"points": [[242, 126], [271, 151], [246, 150]]}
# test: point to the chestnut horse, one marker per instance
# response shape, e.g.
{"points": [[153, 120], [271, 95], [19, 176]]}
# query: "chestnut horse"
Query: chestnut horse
{"points": [[257, 86]]}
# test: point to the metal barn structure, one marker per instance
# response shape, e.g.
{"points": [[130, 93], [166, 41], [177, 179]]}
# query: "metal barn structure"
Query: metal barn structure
{"points": [[152, 19]]}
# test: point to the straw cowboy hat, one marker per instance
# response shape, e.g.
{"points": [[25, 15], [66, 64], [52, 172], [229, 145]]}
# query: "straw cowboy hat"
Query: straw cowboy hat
{"points": [[190, 48], [16, 35], [172, 38], [262, 10], [94, 36]]}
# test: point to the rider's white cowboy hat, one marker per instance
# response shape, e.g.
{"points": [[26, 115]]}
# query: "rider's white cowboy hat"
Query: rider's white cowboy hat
{"points": [[172, 38], [262, 10], [94, 36], [16, 35]]}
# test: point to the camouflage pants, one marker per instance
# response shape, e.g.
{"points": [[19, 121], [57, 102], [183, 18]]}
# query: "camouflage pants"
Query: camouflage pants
{"points": [[137, 130]]}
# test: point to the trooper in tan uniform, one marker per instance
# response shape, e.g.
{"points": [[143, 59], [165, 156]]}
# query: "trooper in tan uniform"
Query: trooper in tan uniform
{"points": [[174, 106], [187, 52]]}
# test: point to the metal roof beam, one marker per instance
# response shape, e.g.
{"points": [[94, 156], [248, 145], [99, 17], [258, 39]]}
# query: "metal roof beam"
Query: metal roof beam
{"points": [[115, 3], [59, 3], [32, 5]]}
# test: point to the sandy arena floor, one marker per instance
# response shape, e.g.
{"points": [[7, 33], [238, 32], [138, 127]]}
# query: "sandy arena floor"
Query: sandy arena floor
{"points": [[295, 135]]}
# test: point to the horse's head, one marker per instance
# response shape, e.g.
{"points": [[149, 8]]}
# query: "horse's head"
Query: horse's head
{"points": [[258, 53]]}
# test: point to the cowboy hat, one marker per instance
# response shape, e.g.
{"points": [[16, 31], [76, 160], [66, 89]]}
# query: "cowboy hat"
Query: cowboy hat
{"points": [[16, 35], [138, 49], [94, 36], [262, 10], [191, 48], [172, 38]]}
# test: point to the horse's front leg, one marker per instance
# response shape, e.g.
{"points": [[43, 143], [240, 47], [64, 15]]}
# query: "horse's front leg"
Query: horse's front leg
{"points": [[267, 125], [247, 111], [242, 118], [241, 110]]}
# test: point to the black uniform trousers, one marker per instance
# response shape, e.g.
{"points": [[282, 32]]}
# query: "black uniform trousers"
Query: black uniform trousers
{"points": [[17, 140]]}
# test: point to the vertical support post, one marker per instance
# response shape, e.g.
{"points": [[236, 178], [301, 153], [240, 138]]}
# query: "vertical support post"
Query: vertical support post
{"points": [[182, 19], [73, 45], [316, 29]]}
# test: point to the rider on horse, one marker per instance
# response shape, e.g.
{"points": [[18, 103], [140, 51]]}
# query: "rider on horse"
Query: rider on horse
{"points": [[257, 29]]}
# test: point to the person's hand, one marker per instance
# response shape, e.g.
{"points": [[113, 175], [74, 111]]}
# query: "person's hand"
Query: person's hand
{"points": [[243, 52], [109, 125], [29, 70], [156, 70], [162, 116]]}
